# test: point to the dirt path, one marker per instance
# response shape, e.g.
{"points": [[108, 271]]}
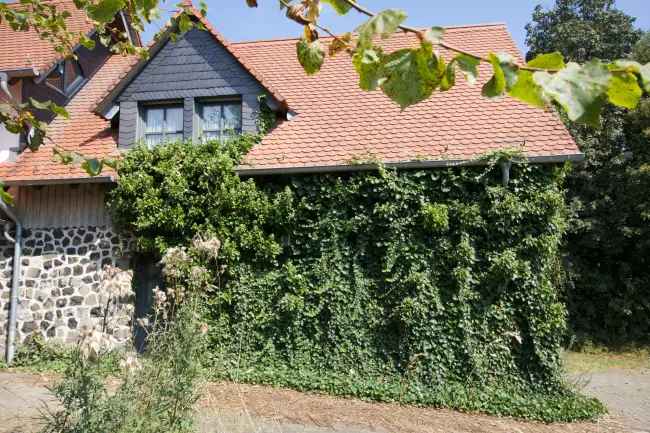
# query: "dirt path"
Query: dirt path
{"points": [[232, 408]]}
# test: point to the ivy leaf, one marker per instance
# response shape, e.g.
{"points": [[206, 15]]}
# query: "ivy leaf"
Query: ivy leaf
{"points": [[527, 90], [369, 65], [92, 166], [434, 35], [580, 91], [624, 90], [553, 60], [104, 10], [468, 66], [406, 82], [340, 6], [310, 55], [384, 24]]}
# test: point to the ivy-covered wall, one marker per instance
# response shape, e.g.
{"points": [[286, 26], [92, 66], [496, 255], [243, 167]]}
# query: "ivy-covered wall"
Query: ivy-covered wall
{"points": [[424, 286]]}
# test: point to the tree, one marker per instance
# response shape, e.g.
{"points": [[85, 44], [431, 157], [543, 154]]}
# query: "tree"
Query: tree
{"points": [[607, 244], [581, 30]]}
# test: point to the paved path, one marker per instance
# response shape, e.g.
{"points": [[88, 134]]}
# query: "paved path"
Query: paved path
{"points": [[625, 393], [232, 408]]}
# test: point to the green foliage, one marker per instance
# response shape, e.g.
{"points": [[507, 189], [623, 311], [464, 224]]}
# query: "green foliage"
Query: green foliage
{"points": [[168, 194], [310, 55], [156, 392], [581, 30], [432, 287], [608, 271]]}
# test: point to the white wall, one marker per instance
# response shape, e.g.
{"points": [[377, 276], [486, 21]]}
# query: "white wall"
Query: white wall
{"points": [[9, 142]]}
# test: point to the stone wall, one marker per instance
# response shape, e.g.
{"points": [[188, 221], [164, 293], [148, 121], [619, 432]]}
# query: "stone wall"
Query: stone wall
{"points": [[62, 285]]}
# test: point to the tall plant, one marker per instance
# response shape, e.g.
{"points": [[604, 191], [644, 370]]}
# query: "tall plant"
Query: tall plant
{"points": [[156, 391]]}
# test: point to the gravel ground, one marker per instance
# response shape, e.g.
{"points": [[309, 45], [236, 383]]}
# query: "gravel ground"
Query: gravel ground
{"points": [[626, 394], [233, 408]]}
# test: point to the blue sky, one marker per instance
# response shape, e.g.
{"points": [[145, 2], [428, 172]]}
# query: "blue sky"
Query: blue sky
{"points": [[237, 22]]}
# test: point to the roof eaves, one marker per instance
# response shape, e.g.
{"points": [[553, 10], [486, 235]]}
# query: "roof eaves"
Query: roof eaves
{"points": [[59, 181], [244, 170]]}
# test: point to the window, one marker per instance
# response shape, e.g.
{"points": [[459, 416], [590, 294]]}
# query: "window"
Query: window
{"points": [[162, 123], [66, 77], [219, 119]]}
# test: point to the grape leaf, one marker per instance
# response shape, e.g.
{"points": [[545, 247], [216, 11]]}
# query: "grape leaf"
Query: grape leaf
{"points": [[468, 66], [310, 55], [383, 24], [434, 35], [624, 90], [642, 70], [579, 90], [527, 90], [553, 60], [340, 6], [104, 10], [497, 84], [370, 67], [405, 82]]}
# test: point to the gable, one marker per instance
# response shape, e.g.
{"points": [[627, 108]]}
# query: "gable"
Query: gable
{"points": [[193, 67]]}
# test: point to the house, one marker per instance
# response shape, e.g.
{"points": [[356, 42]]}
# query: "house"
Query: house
{"points": [[204, 86]]}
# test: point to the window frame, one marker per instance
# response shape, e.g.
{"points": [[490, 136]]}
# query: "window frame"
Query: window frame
{"points": [[221, 102], [75, 85], [164, 105]]}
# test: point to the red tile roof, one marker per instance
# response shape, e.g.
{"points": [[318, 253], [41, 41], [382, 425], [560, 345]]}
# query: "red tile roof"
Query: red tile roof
{"points": [[84, 132], [336, 124], [339, 124], [22, 50]]}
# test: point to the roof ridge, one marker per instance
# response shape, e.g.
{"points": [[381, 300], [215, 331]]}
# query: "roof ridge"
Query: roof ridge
{"points": [[294, 38]]}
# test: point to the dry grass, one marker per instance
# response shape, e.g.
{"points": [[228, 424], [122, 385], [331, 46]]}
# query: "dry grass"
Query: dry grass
{"points": [[597, 360], [236, 408]]}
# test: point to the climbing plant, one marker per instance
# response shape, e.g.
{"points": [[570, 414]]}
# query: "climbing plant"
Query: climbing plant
{"points": [[435, 287]]}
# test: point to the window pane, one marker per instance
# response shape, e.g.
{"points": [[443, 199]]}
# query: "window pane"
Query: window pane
{"points": [[154, 119], [231, 119], [174, 119], [211, 118], [172, 138], [56, 77], [72, 73], [153, 139], [210, 135]]}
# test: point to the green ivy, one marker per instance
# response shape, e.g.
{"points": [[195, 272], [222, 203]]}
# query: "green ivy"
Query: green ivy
{"points": [[434, 287]]}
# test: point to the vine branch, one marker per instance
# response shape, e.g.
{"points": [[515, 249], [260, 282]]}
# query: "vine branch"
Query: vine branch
{"points": [[408, 29]]}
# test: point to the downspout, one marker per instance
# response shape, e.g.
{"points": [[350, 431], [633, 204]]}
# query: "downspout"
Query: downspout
{"points": [[15, 279], [505, 172]]}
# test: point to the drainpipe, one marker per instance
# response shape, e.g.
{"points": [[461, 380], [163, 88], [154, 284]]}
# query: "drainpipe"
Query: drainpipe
{"points": [[505, 172], [15, 279]]}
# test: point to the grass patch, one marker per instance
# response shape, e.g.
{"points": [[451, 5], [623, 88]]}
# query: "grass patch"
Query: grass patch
{"points": [[561, 405], [596, 359], [39, 356]]}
